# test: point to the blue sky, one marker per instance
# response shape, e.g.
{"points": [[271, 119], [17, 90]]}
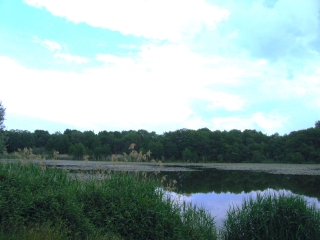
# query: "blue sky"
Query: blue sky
{"points": [[160, 65]]}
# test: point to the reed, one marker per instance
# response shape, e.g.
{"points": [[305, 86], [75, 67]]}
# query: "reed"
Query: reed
{"points": [[40, 201], [272, 216]]}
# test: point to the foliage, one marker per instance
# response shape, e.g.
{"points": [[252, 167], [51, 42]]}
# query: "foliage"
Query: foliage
{"points": [[181, 145], [121, 205], [78, 150], [272, 217], [3, 137], [18, 139]]}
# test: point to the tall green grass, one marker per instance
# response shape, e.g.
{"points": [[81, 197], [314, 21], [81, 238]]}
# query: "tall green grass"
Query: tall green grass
{"points": [[37, 202], [44, 203], [272, 216]]}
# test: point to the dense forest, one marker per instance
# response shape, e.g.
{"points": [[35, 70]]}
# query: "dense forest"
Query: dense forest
{"points": [[182, 145]]}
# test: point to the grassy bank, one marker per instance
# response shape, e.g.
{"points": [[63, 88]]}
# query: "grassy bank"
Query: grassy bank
{"points": [[37, 202]]}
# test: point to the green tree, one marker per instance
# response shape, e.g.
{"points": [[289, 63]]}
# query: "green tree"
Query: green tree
{"points": [[203, 143], [187, 155], [97, 153], [157, 149], [58, 142], [105, 150], [89, 138], [19, 139], [170, 149], [41, 138], [50, 145], [3, 137], [79, 151]]}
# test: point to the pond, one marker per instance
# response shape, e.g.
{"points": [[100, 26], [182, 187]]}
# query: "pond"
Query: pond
{"points": [[217, 190], [217, 186]]}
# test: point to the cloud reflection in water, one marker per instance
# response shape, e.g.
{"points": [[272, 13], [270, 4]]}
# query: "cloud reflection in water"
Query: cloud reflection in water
{"points": [[219, 203]]}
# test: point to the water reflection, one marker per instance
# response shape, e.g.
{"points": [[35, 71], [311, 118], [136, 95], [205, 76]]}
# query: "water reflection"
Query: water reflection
{"points": [[220, 181], [219, 203], [217, 190]]}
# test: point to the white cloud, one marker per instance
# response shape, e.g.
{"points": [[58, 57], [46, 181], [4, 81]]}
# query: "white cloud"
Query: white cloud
{"points": [[195, 123], [229, 123], [173, 67], [156, 88], [286, 29], [228, 101], [56, 47], [51, 45], [71, 58], [156, 19], [110, 60], [269, 123], [255, 60], [305, 85], [108, 97]]}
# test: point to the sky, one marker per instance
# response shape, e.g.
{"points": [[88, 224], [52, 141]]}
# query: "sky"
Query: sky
{"points": [[160, 65]]}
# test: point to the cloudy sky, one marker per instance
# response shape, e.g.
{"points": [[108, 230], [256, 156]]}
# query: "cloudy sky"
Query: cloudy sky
{"points": [[160, 65]]}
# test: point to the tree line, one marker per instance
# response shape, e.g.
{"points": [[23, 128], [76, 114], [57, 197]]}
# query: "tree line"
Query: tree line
{"points": [[185, 145]]}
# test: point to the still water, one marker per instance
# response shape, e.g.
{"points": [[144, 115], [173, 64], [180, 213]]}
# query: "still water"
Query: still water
{"points": [[217, 190]]}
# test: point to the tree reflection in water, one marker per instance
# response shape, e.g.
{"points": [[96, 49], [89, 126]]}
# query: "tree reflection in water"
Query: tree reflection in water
{"points": [[217, 190]]}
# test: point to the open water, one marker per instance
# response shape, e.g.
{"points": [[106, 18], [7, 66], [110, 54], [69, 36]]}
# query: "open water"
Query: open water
{"points": [[217, 190]]}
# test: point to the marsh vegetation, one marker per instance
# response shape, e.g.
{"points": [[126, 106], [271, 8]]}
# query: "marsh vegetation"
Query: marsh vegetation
{"points": [[42, 202], [37, 201], [272, 216]]}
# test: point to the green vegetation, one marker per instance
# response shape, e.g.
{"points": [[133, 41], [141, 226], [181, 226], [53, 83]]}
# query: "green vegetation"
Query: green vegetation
{"points": [[272, 217], [3, 137], [37, 202], [183, 145]]}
